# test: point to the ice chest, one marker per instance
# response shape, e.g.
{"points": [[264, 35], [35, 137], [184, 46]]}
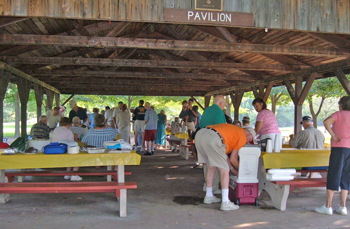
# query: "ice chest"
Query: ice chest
{"points": [[247, 183], [55, 148]]}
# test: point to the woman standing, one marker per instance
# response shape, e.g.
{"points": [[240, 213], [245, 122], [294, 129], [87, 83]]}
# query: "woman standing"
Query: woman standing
{"points": [[339, 161], [123, 123], [266, 123], [160, 134]]}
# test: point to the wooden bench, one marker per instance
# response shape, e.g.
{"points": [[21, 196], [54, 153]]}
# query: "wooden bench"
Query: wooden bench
{"points": [[72, 187], [12, 175], [303, 183]]}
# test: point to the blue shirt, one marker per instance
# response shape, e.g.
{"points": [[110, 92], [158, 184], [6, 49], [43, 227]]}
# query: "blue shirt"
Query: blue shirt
{"points": [[92, 119], [198, 119], [152, 118], [96, 137]]}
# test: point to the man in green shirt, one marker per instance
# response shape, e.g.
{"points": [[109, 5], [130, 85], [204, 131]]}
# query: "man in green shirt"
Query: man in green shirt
{"points": [[214, 114]]}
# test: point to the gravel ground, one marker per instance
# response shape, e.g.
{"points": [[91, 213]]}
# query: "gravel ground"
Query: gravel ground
{"points": [[169, 195]]}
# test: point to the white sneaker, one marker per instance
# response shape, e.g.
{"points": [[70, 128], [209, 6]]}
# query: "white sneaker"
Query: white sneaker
{"points": [[324, 210], [341, 210], [228, 206], [211, 199], [66, 177], [76, 178]]}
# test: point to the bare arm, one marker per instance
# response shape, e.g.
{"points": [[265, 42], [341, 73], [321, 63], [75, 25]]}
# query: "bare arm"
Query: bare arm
{"points": [[234, 158], [327, 124], [258, 126]]}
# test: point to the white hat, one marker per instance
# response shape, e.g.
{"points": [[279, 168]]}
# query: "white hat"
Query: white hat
{"points": [[72, 104]]}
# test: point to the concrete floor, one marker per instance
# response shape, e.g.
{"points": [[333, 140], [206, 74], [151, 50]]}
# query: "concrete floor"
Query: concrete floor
{"points": [[169, 195]]}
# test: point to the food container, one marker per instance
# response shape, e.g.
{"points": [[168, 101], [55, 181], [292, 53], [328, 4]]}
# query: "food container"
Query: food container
{"points": [[73, 149], [55, 148], [96, 150], [39, 144]]}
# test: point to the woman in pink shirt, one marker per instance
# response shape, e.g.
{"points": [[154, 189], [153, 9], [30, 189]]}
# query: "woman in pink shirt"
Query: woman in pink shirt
{"points": [[339, 161], [266, 123]]}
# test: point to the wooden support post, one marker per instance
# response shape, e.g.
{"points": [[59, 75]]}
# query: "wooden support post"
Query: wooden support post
{"points": [[38, 90], [23, 91], [57, 99], [343, 80], [197, 102], [49, 99], [298, 108], [4, 78], [298, 96], [236, 100], [268, 91], [262, 92], [207, 101]]}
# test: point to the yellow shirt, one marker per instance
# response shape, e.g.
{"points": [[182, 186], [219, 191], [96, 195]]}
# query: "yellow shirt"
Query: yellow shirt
{"points": [[234, 136]]}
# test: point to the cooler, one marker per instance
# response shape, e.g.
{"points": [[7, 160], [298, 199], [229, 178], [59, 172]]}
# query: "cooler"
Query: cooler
{"points": [[246, 186]]}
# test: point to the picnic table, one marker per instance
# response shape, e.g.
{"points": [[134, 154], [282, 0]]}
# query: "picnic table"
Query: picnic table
{"points": [[82, 159], [290, 158]]}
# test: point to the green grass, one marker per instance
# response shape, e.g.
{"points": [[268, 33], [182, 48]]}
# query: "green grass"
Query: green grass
{"points": [[9, 129]]}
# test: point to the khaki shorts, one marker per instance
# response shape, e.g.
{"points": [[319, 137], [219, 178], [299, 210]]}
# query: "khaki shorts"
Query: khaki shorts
{"points": [[210, 149], [190, 126], [139, 126]]}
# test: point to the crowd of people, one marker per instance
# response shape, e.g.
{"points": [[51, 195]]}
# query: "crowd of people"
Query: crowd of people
{"points": [[218, 139]]}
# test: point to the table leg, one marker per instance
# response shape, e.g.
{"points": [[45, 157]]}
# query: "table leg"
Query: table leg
{"points": [[123, 195], [109, 177], [4, 197]]}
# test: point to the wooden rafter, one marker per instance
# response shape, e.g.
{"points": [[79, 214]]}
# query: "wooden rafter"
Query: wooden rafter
{"points": [[104, 42]]}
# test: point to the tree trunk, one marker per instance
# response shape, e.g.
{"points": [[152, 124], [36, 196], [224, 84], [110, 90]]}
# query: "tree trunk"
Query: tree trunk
{"points": [[228, 106], [312, 111], [273, 103], [17, 116]]}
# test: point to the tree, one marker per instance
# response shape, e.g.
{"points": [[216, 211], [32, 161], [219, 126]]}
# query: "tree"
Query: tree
{"points": [[323, 89], [278, 96]]}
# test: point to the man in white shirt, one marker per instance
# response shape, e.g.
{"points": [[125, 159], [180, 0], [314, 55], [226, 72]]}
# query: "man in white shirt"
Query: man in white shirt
{"points": [[109, 117], [116, 111], [53, 117]]}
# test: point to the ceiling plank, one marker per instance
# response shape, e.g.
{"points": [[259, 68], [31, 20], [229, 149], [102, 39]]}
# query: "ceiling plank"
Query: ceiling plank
{"points": [[333, 39], [104, 42], [143, 63]]}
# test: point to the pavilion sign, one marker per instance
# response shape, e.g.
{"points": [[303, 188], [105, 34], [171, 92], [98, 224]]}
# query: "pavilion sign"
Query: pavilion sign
{"points": [[208, 17]]}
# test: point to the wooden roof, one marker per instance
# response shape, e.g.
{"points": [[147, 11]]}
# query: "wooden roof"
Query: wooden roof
{"points": [[140, 58]]}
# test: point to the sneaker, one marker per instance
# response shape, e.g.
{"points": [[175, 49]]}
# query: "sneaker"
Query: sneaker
{"points": [[228, 206], [76, 178], [152, 152], [66, 177], [147, 154], [341, 210], [324, 210], [196, 165], [211, 199]]}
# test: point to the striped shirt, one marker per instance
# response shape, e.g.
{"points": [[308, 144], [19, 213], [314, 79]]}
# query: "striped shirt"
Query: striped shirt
{"points": [[96, 137], [40, 130]]}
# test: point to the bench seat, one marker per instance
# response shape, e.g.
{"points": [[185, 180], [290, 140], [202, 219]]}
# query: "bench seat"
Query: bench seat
{"points": [[65, 187], [11, 175]]}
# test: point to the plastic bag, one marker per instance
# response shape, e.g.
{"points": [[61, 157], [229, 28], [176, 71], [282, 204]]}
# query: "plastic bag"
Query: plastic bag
{"points": [[120, 144], [20, 144]]}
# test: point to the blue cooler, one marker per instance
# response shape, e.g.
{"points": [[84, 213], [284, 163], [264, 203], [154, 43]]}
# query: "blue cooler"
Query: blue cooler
{"points": [[55, 148]]}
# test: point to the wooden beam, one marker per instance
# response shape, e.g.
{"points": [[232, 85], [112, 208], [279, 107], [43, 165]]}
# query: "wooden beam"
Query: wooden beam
{"points": [[306, 88], [57, 99], [325, 68], [333, 39], [6, 21], [135, 92], [268, 90], [118, 29], [38, 91], [69, 98], [197, 102], [236, 99], [104, 42], [290, 89], [23, 75], [23, 91], [343, 80], [298, 109], [133, 74], [49, 99], [207, 101], [143, 63], [4, 79]]}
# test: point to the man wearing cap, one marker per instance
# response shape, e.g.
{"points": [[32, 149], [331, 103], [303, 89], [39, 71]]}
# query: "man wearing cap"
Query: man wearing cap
{"points": [[309, 138], [214, 144], [77, 111]]}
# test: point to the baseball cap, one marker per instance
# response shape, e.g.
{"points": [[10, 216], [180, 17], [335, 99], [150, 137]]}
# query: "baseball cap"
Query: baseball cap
{"points": [[306, 119], [72, 104]]}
